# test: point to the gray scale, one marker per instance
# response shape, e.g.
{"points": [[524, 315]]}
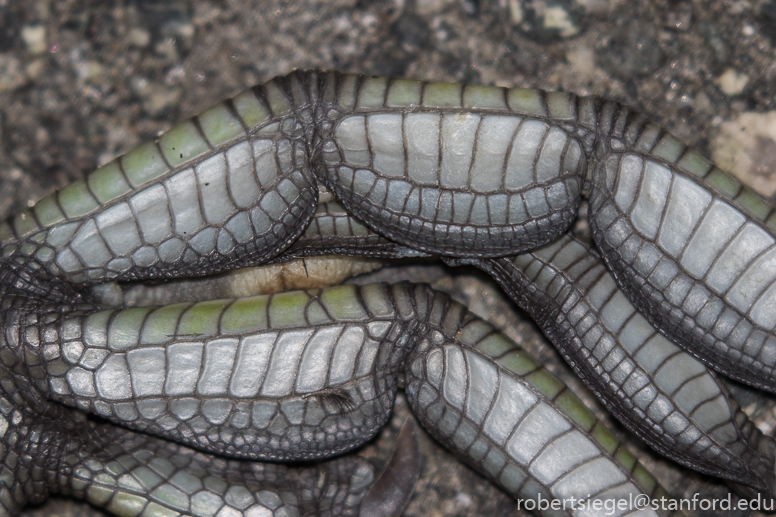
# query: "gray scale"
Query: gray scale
{"points": [[252, 366], [516, 435], [334, 230], [178, 481], [189, 214], [445, 207], [324, 385], [696, 255], [688, 414], [318, 163]]}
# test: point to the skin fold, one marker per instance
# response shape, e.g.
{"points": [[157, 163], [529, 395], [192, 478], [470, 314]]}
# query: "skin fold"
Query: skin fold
{"points": [[321, 163]]}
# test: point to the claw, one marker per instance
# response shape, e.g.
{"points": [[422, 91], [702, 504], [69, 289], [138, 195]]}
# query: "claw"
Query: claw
{"points": [[391, 493]]}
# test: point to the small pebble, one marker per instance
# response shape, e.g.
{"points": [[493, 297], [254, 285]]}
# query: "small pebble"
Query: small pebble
{"points": [[11, 73], [516, 13], [746, 146], [559, 19], [88, 70], [431, 7], [546, 20], [139, 37], [34, 38], [582, 58], [464, 499], [632, 50], [36, 68], [677, 15], [732, 82], [598, 6]]}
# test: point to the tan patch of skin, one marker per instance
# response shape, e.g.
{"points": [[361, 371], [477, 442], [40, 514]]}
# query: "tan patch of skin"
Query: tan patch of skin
{"points": [[304, 273], [301, 273]]}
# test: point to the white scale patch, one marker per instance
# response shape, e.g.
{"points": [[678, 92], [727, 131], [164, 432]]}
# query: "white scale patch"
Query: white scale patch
{"points": [[455, 377], [242, 179], [537, 429], [512, 402], [315, 360], [117, 224], [386, 135], [422, 132], [184, 362], [284, 363], [113, 380], [350, 135], [458, 136], [562, 455], [343, 362], [184, 202], [251, 365], [686, 204], [153, 214], [483, 384], [717, 227], [211, 175], [144, 367], [548, 165], [494, 140], [589, 478], [218, 365], [648, 210], [743, 249], [520, 170]]}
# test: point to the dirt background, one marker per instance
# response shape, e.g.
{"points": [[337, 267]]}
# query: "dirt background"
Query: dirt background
{"points": [[82, 81]]}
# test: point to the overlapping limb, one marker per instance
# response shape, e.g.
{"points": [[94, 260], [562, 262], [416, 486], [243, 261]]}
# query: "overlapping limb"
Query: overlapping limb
{"points": [[690, 245], [657, 390]]}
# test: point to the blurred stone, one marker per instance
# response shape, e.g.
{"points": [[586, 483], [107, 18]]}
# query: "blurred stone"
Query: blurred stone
{"points": [[678, 15], [632, 50], [412, 33], [139, 37], [11, 73], [746, 146], [431, 7], [767, 19], [35, 69], [732, 82], [470, 7], [546, 20], [582, 58], [34, 37], [711, 34]]}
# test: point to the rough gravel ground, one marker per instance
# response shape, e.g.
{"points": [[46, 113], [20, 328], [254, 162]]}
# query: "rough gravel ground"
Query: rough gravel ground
{"points": [[82, 81]]}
